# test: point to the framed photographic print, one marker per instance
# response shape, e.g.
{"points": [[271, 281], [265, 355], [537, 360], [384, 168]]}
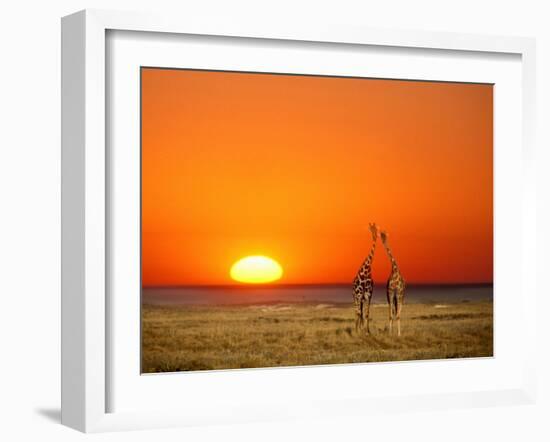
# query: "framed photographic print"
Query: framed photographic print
{"points": [[250, 213], [256, 192]]}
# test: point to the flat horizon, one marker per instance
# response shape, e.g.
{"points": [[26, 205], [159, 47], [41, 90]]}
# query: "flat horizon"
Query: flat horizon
{"points": [[331, 285], [332, 294]]}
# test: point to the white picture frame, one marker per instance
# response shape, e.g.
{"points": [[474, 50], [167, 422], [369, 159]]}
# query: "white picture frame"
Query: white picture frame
{"points": [[86, 203]]}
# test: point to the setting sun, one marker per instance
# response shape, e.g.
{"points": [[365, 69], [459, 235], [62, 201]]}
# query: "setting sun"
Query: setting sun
{"points": [[256, 270]]}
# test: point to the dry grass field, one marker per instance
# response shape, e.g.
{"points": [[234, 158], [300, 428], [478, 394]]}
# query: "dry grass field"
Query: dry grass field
{"points": [[180, 338]]}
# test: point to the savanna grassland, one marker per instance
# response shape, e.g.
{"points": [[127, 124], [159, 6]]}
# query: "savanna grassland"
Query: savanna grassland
{"points": [[179, 338]]}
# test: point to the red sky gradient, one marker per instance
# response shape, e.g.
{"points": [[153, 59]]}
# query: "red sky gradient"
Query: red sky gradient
{"points": [[295, 167]]}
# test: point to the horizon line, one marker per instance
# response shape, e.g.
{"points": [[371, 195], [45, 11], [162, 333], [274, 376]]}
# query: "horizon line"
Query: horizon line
{"points": [[333, 285]]}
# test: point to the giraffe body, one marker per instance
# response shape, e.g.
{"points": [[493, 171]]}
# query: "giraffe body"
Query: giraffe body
{"points": [[395, 292], [363, 287], [395, 288]]}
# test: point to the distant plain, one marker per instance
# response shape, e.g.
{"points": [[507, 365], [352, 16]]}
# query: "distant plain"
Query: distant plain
{"points": [[276, 333]]}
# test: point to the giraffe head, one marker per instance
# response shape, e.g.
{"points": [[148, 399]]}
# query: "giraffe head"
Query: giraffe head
{"points": [[374, 230], [384, 236]]}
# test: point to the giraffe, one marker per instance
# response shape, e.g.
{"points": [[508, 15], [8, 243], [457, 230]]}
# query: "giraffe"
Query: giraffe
{"points": [[363, 285], [395, 289]]}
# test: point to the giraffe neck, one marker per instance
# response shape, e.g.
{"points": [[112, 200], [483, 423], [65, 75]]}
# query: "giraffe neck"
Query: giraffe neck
{"points": [[370, 257], [394, 265]]}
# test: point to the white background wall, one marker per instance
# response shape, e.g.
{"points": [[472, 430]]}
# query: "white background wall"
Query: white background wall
{"points": [[30, 214]]}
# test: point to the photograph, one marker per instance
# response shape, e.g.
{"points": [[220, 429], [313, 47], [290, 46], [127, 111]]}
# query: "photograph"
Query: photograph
{"points": [[303, 220]]}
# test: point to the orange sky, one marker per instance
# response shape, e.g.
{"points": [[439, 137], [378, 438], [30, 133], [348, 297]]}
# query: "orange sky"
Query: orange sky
{"points": [[295, 167]]}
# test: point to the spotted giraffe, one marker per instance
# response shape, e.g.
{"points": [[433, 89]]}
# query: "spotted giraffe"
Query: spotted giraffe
{"points": [[363, 286], [395, 289]]}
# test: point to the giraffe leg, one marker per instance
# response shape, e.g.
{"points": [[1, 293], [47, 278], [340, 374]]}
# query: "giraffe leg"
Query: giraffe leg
{"points": [[358, 316], [398, 317], [390, 309], [399, 299], [366, 311]]}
